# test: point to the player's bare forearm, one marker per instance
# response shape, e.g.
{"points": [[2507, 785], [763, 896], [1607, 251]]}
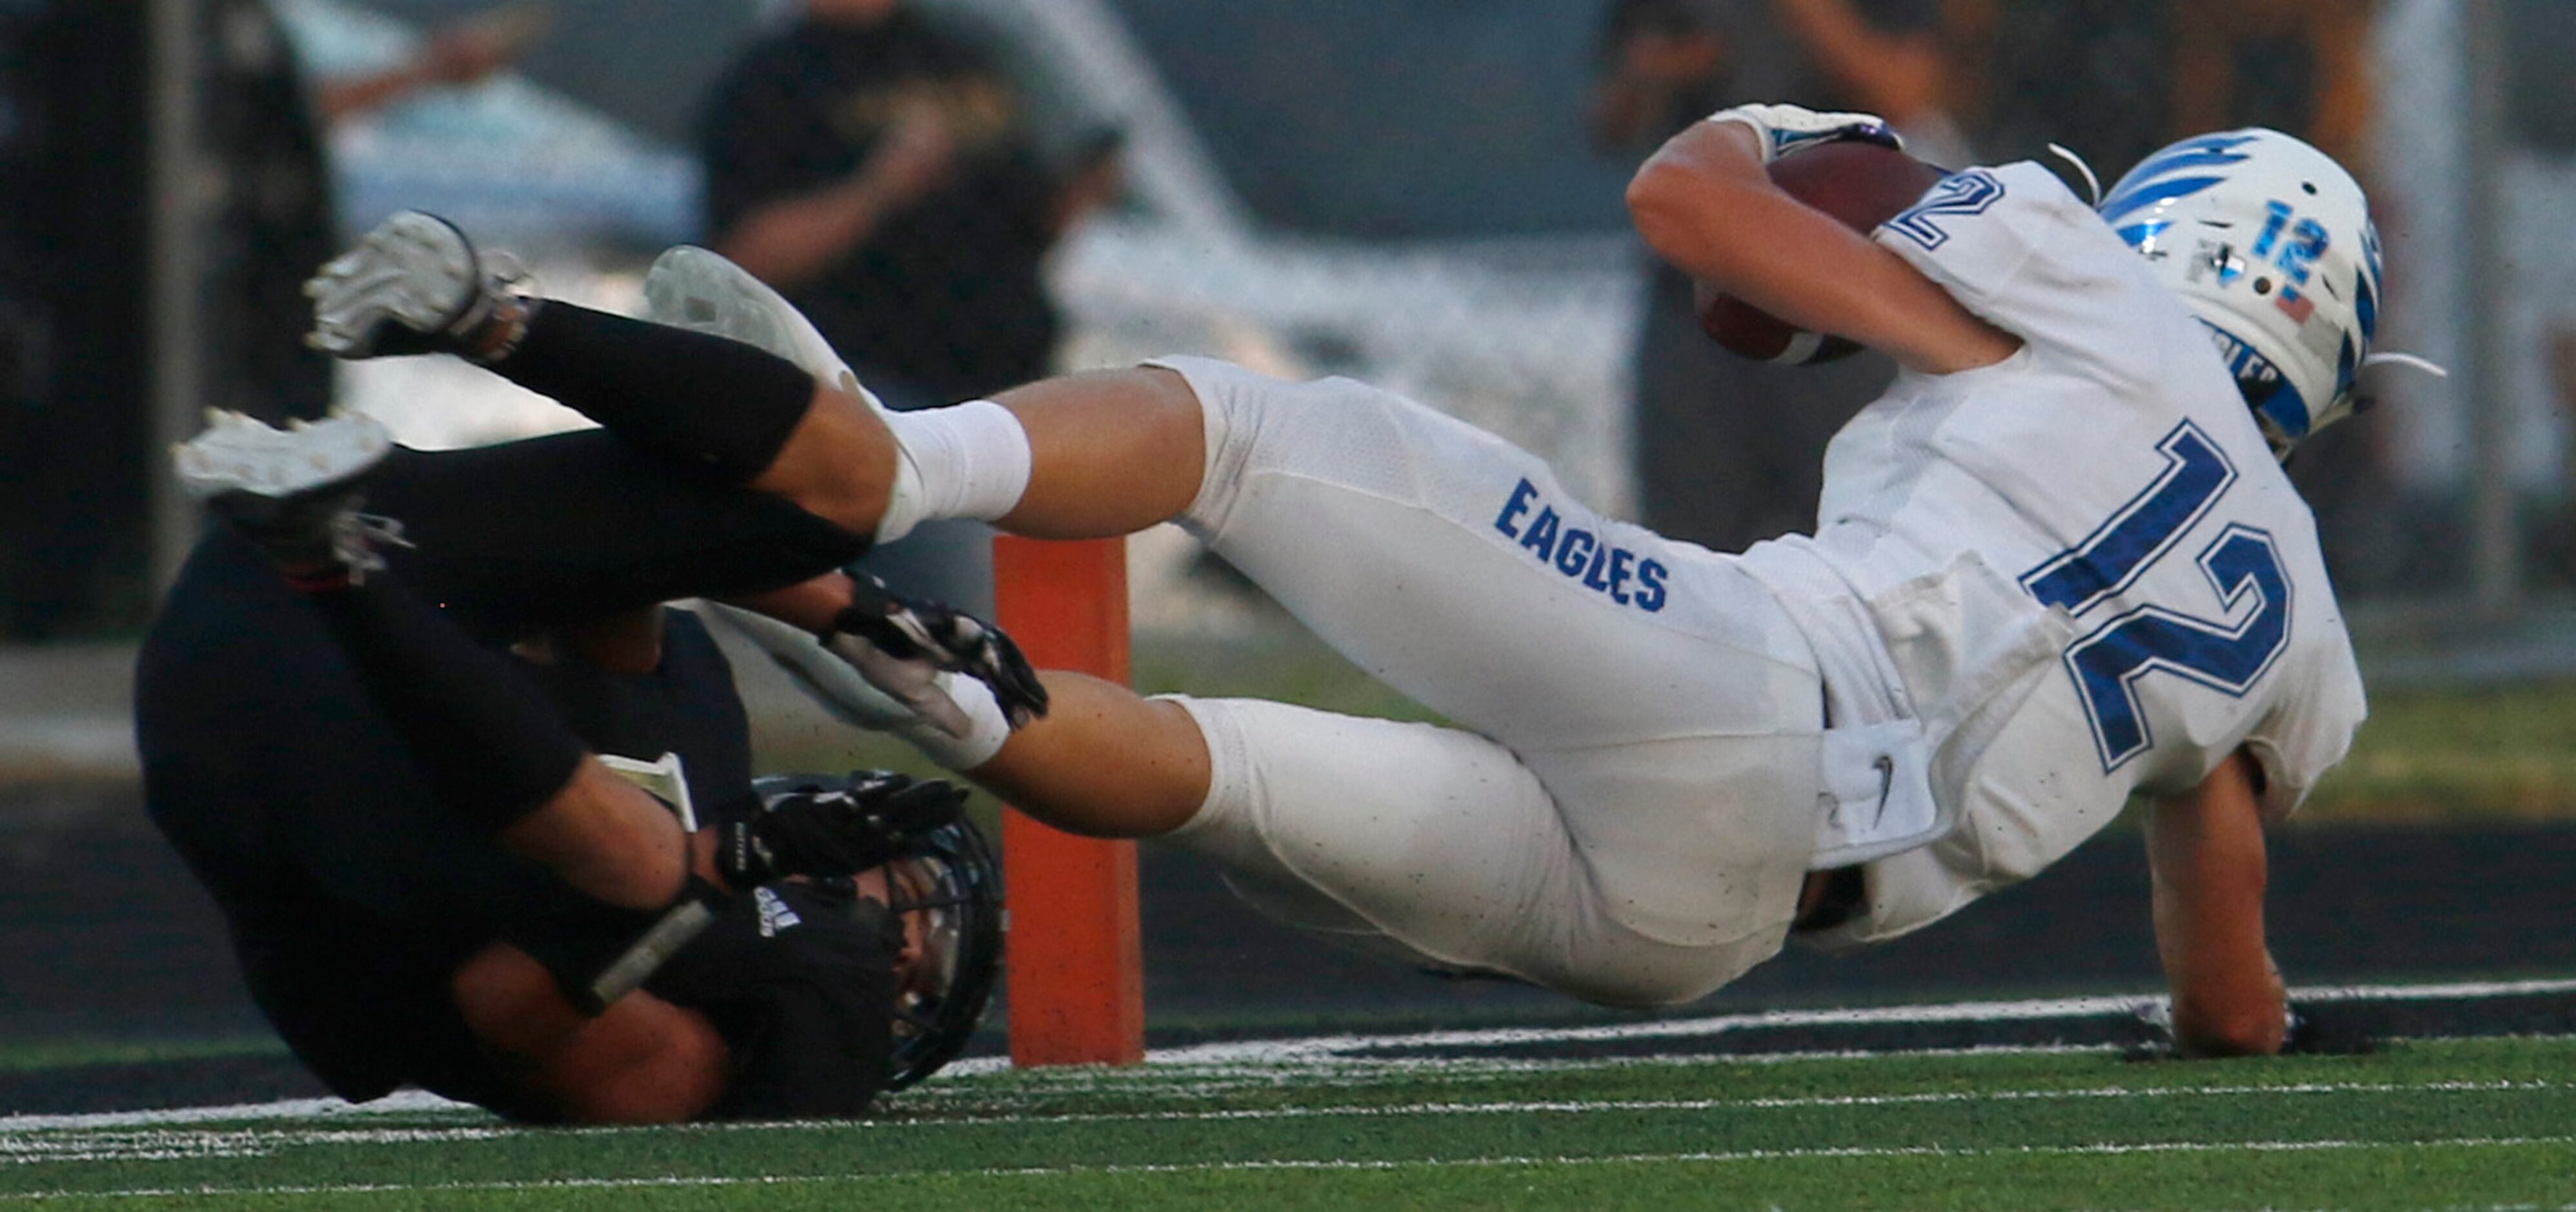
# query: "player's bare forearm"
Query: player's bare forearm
{"points": [[642, 1061], [791, 241], [2207, 852], [810, 606], [1704, 204], [608, 838]]}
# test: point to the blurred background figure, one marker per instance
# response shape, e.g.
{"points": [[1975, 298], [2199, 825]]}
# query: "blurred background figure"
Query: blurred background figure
{"points": [[880, 170], [1729, 452], [77, 260], [2089, 74], [2302, 66], [269, 121], [1893, 60], [2293, 65]]}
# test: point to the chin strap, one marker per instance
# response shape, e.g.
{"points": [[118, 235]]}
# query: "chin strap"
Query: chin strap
{"points": [[688, 917], [2365, 401], [2427, 365], [2091, 182]]}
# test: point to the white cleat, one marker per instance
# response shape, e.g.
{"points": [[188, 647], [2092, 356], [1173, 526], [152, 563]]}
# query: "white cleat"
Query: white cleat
{"points": [[692, 288], [239, 454], [413, 285], [293, 492]]}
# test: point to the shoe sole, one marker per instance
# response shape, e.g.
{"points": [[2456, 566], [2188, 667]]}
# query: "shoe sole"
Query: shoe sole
{"points": [[238, 454], [699, 290], [391, 275]]}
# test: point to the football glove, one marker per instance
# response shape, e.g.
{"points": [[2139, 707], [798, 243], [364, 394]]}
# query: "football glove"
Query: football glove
{"points": [[2307, 1033], [819, 829], [901, 647], [1784, 129]]}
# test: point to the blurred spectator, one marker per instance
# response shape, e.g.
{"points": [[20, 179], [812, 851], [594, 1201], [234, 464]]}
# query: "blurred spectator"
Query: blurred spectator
{"points": [[76, 270], [460, 54], [2301, 66], [2293, 65], [881, 172], [2552, 542], [1891, 60], [274, 220], [2089, 74], [1727, 452]]}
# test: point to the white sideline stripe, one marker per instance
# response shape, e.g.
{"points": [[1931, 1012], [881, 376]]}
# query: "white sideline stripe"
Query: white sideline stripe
{"points": [[2101, 1149], [1337, 1047], [1952, 1012], [168, 1145], [398, 1103], [164, 1145], [1583, 1107]]}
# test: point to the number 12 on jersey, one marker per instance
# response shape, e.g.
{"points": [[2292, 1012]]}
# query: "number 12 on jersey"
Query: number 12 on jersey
{"points": [[2227, 654]]}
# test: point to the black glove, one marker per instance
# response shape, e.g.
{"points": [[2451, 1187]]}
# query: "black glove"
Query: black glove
{"points": [[2306, 1034], [875, 817], [901, 647], [2327, 1029]]}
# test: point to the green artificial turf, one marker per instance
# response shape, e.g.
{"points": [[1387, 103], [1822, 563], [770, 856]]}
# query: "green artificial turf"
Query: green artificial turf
{"points": [[2473, 1123]]}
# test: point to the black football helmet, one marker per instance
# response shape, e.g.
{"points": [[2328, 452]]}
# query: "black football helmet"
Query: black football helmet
{"points": [[951, 879], [955, 882]]}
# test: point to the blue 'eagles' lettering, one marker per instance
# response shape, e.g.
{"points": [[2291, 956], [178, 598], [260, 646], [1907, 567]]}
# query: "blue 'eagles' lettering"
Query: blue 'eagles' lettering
{"points": [[1581, 554]]}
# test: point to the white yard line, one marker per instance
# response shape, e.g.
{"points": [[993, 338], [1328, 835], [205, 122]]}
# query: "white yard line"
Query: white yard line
{"points": [[164, 1145], [1953, 1012], [2105, 1148], [401, 1102], [1340, 1050]]}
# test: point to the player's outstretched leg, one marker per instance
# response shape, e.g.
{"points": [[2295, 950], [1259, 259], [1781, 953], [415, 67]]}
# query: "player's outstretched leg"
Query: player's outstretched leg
{"points": [[491, 747], [699, 290], [912, 651], [416, 284], [489, 743]]}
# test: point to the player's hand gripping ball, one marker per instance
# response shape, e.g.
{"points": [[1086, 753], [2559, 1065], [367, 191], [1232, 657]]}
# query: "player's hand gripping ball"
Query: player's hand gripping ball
{"points": [[1857, 179]]}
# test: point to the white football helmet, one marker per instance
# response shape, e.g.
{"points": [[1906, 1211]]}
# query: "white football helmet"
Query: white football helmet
{"points": [[2270, 243]]}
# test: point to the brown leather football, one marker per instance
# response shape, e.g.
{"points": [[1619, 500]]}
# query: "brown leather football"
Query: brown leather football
{"points": [[1863, 184]]}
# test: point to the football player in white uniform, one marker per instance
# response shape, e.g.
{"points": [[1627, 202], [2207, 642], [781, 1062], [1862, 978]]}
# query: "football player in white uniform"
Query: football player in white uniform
{"points": [[2059, 565]]}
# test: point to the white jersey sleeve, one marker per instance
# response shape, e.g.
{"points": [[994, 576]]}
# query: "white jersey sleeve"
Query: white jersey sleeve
{"points": [[2014, 246], [2304, 735]]}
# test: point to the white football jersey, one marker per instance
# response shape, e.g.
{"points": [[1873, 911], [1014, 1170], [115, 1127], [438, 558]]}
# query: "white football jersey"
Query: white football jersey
{"points": [[2080, 568]]}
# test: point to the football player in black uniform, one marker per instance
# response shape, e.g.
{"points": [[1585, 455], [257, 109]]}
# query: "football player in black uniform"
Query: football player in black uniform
{"points": [[386, 749]]}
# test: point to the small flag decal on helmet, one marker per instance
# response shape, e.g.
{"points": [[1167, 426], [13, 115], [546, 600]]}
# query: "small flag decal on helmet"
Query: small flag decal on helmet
{"points": [[2297, 306]]}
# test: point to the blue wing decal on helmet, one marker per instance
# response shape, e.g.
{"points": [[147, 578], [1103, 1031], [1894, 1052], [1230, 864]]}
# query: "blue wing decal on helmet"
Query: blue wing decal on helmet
{"points": [[2143, 194], [2136, 235], [2141, 185], [2213, 151]]}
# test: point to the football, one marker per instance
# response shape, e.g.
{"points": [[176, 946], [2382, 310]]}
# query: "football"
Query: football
{"points": [[1862, 184]]}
